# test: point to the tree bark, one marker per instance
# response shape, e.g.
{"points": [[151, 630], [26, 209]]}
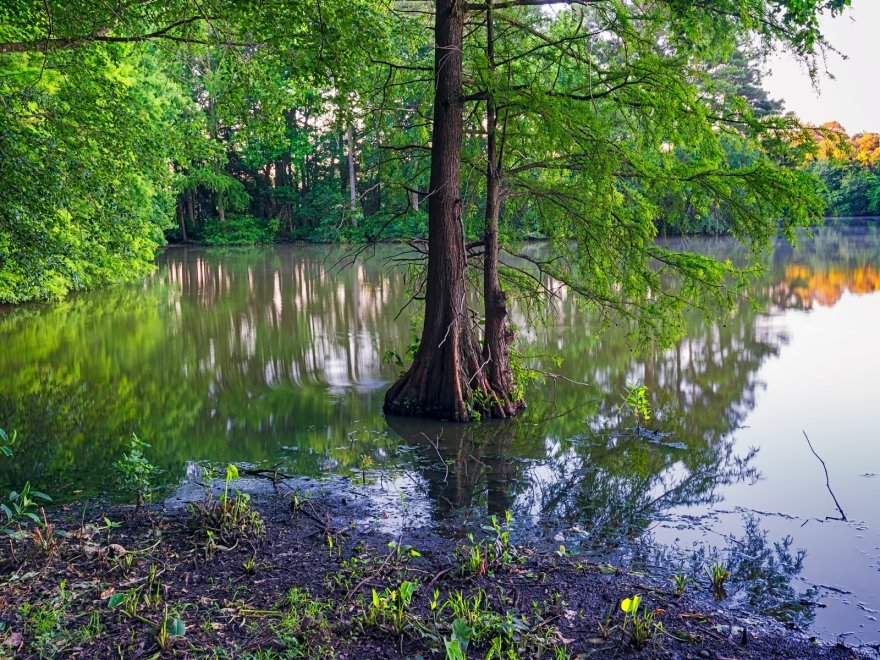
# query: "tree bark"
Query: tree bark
{"points": [[447, 379], [181, 220], [497, 336], [190, 208], [352, 179], [221, 208], [214, 132]]}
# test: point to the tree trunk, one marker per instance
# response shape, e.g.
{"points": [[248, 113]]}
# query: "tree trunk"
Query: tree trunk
{"points": [[446, 379], [190, 208], [214, 131], [497, 336], [181, 220], [352, 179]]}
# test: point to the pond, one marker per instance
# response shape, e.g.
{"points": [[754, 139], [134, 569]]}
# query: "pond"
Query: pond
{"points": [[272, 357]]}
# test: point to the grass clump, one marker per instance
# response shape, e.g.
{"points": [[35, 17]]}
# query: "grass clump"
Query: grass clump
{"points": [[223, 522]]}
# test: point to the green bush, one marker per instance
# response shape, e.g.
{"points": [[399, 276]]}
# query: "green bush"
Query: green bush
{"points": [[239, 230]]}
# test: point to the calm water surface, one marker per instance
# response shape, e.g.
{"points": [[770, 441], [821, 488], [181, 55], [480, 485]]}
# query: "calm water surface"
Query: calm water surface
{"points": [[269, 356]]}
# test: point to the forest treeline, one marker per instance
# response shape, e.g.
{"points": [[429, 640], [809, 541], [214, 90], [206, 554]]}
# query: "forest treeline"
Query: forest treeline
{"points": [[320, 131], [849, 166]]}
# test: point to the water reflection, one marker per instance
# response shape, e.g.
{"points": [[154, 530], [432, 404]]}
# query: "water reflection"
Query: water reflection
{"points": [[239, 354], [268, 355], [762, 573], [466, 466], [609, 485]]}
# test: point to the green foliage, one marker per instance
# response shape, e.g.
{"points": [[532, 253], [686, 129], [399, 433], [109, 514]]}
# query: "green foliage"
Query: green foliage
{"points": [[852, 189], [7, 442], [680, 581], [135, 471], [390, 607], [600, 149], [170, 626], [718, 575], [304, 618], [239, 230], [109, 112], [235, 197], [456, 645], [523, 374], [635, 399], [83, 165], [507, 635], [20, 507], [493, 551], [44, 621]]}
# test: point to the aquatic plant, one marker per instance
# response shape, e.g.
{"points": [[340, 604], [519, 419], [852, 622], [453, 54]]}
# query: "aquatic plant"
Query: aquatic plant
{"points": [[635, 399], [494, 550], [718, 575], [391, 606]]}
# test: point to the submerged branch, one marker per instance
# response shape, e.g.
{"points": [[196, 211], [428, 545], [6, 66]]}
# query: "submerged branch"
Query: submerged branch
{"points": [[827, 480]]}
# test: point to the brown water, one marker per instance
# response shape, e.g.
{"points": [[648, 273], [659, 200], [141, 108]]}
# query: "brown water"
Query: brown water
{"points": [[270, 356]]}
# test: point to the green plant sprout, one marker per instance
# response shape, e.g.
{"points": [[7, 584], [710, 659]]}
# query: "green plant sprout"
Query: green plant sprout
{"points": [[640, 625], [718, 575], [635, 399], [135, 471], [390, 607]]}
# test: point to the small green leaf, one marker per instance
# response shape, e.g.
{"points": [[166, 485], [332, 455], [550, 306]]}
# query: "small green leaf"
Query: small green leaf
{"points": [[462, 633], [407, 589], [177, 628], [453, 650], [115, 600], [630, 605]]}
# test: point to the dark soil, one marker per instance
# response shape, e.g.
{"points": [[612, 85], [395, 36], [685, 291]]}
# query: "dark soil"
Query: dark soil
{"points": [[157, 585]]}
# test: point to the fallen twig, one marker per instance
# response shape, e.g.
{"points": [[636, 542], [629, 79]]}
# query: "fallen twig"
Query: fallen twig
{"points": [[367, 578]]}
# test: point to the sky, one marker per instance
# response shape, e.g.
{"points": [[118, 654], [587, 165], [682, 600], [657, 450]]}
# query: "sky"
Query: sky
{"points": [[853, 96]]}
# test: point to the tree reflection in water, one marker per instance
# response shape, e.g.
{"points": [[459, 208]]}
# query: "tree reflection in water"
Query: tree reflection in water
{"points": [[267, 356]]}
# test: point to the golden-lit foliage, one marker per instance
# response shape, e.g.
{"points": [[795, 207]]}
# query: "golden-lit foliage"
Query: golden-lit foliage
{"points": [[833, 143], [826, 286]]}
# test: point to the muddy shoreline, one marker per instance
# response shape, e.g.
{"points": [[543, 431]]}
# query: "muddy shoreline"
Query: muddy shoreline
{"points": [[320, 576]]}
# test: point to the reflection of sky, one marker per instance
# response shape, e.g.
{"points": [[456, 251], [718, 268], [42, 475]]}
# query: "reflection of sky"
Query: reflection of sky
{"points": [[824, 382]]}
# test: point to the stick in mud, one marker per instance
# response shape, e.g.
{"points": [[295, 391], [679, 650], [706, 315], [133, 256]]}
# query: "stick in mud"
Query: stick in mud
{"points": [[827, 480]]}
